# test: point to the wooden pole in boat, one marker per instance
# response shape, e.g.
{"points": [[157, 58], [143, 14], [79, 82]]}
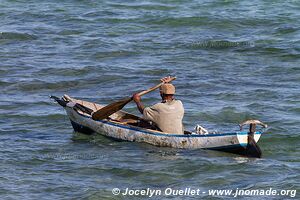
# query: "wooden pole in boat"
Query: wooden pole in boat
{"points": [[253, 149]]}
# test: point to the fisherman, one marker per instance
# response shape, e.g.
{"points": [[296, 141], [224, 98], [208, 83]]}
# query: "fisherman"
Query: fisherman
{"points": [[168, 114]]}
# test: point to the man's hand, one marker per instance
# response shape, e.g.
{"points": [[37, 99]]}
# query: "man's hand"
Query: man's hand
{"points": [[136, 97], [166, 79]]}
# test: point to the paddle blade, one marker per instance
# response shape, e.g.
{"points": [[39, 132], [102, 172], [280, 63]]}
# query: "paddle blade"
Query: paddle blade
{"points": [[110, 109]]}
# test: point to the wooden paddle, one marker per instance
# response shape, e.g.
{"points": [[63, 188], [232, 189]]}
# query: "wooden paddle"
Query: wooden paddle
{"points": [[116, 106]]}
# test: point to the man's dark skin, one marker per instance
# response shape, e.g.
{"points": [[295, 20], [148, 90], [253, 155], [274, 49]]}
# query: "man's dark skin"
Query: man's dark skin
{"points": [[164, 97]]}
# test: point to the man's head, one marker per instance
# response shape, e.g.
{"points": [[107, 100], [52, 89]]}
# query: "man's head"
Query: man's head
{"points": [[167, 91]]}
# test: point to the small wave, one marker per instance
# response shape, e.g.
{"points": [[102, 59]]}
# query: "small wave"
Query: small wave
{"points": [[42, 85], [70, 32], [3, 71], [286, 29], [274, 50], [16, 36], [68, 71], [256, 21], [256, 94], [226, 115], [59, 84], [227, 96], [295, 110], [4, 84], [26, 116], [156, 7], [290, 56], [112, 54], [77, 20], [220, 44], [155, 72], [177, 22]]}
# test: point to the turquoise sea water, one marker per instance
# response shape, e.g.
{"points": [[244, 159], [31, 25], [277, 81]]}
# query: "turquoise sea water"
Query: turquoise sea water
{"points": [[234, 60]]}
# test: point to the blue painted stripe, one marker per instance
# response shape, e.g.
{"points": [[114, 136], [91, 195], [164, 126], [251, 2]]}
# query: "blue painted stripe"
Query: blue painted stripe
{"points": [[227, 147], [164, 134]]}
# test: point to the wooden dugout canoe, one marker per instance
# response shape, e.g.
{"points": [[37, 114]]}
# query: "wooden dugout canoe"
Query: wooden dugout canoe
{"points": [[128, 127]]}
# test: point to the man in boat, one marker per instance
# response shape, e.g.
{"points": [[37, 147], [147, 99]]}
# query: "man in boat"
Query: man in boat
{"points": [[167, 114]]}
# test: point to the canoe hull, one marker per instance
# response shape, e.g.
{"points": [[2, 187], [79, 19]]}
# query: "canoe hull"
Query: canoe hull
{"points": [[235, 142]]}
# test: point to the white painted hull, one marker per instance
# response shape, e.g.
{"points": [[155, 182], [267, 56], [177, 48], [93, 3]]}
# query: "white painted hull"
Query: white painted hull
{"points": [[136, 134]]}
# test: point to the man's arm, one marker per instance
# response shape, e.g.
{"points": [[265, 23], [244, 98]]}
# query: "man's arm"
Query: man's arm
{"points": [[139, 104], [137, 99]]}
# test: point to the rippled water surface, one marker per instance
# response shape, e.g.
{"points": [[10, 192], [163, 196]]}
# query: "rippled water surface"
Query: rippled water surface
{"points": [[234, 60]]}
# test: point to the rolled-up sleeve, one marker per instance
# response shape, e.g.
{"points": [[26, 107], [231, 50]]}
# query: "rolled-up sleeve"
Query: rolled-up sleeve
{"points": [[150, 113]]}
